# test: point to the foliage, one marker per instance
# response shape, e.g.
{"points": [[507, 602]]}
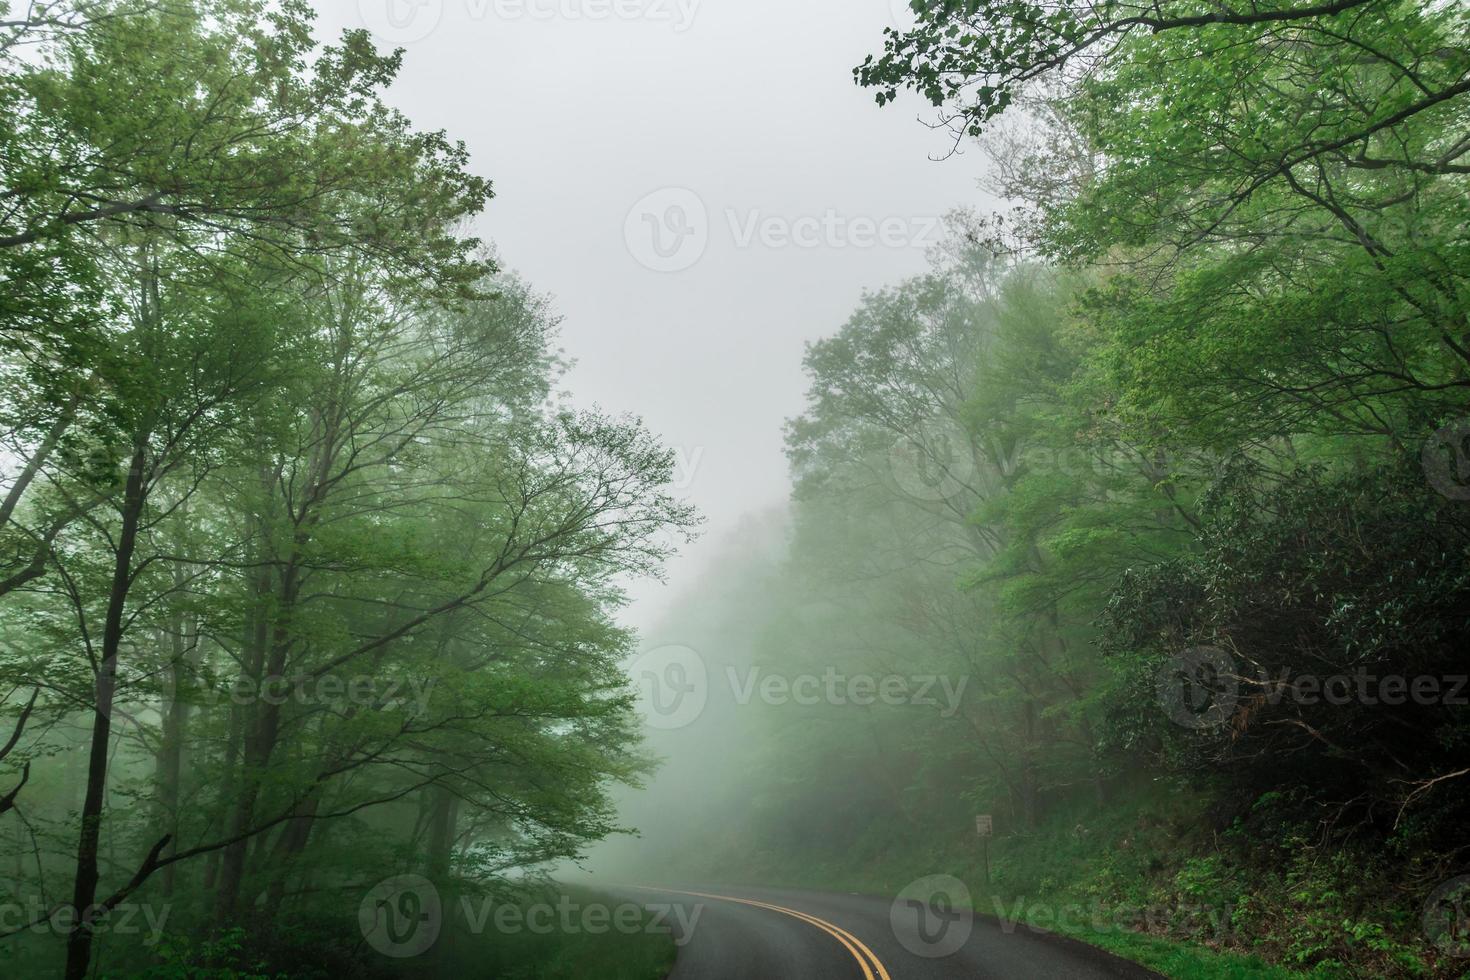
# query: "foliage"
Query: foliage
{"points": [[307, 577]]}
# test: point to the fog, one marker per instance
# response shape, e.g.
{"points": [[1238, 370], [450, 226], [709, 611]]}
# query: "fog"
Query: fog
{"points": [[580, 114]]}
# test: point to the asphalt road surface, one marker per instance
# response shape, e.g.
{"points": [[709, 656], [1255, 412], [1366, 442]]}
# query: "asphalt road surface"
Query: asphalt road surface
{"points": [[749, 934]]}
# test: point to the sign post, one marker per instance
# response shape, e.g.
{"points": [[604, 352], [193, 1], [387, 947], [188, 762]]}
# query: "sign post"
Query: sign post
{"points": [[985, 829]]}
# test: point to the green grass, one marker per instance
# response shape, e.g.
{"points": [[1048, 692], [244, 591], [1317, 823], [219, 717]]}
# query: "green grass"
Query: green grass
{"points": [[1181, 960], [1280, 911]]}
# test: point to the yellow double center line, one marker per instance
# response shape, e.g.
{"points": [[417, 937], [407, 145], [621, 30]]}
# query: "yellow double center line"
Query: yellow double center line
{"points": [[865, 957]]}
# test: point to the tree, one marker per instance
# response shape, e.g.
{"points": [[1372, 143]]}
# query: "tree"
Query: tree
{"points": [[276, 419], [251, 152], [1268, 197], [207, 113]]}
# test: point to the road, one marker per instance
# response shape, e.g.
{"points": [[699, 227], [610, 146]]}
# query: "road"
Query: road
{"points": [[749, 934]]}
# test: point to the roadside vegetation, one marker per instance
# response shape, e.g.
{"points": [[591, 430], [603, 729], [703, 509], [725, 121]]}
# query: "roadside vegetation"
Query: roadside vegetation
{"points": [[548, 931]]}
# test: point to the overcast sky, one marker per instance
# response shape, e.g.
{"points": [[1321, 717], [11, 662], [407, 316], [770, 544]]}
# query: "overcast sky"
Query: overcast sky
{"points": [[700, 186]]}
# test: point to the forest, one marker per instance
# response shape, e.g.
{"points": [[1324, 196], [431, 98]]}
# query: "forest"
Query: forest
{"points": [[1137, 523], [303, 573], [1170, 463]]}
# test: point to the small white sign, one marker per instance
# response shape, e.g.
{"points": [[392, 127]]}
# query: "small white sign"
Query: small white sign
{"points": [[985, 825]]}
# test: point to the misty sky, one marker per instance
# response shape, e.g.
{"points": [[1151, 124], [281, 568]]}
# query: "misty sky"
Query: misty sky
{"points": [[701, 187]]}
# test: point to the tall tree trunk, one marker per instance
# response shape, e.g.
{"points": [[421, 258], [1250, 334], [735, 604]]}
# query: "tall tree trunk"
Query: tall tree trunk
{"points": [[443, 818], [260, 743], [169, 763], [228, 871], [263, 724], [84, 891], [1030, 792], [289, 847], [244, 778]]}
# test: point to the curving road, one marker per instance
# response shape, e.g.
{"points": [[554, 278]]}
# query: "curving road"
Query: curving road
{"points": [[761, 934]]}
